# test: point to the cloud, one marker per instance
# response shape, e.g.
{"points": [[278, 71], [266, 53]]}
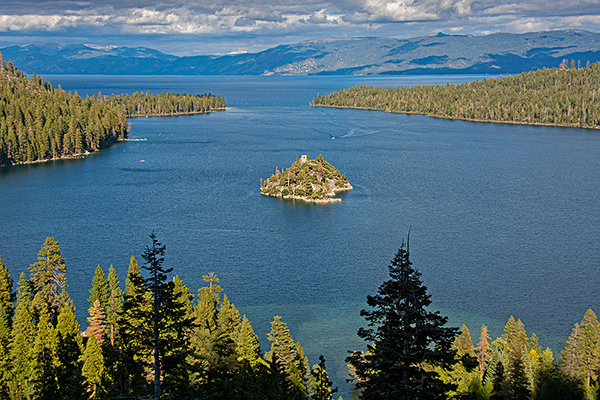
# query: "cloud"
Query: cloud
{"points": [[247, 25]]}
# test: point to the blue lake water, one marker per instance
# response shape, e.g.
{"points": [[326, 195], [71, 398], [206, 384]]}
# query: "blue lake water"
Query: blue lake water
{"points": [[504, 219]]}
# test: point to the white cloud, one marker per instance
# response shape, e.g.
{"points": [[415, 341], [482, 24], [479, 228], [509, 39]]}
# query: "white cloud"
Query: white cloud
{"points": [[261, 23]]}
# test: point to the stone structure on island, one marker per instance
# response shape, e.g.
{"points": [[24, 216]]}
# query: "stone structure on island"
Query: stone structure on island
{"points": [[314, 181]]}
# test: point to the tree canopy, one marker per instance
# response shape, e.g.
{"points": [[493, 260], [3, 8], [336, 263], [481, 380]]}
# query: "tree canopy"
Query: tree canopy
{"points": [[558, 96]]}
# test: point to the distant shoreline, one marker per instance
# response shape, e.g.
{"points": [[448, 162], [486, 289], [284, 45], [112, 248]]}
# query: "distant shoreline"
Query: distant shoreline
{"points": [[179, 113], [458, 118]]}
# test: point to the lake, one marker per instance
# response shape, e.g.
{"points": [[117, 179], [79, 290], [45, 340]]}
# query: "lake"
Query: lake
{"points": [[504, 219]]}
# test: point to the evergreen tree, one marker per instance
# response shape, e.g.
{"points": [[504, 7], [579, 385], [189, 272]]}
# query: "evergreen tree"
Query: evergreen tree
{"points": [[7, 296], [100, 289], [115, 304], [133, 273], [404, 334], [134, 356], [165, 330], [247, 345], [213, 346], [518, 376], [184, 296], [5, 367], [21, 343], [48, 278], [97, 322], [319, 384], [44, 377], [94, 371], [68, 351], [284, 358], [483, 351], [581, 356]]}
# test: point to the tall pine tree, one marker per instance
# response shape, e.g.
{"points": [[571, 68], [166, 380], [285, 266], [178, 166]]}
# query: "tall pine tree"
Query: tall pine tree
{"points": [[165, 328], [403, 334], [48, 276]]}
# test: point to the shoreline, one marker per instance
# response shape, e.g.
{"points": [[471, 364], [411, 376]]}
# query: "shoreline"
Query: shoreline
{"points": [[71, 157], [458, 118], [318, 201], [87, 153], [179, 113]]}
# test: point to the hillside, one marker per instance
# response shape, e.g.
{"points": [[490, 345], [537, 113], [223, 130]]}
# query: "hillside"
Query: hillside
{"points": [[564, 96], [39, 122], [314, 181], [432, 54]]}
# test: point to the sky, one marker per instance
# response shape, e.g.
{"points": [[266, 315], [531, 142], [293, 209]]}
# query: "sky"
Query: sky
{"points": [[192, 27]]}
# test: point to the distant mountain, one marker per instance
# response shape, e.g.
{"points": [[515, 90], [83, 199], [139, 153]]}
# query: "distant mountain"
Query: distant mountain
{"points": [[58, 58], [433, 54]]}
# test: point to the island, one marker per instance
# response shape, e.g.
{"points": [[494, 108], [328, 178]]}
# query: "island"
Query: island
{"points": [[314, 181]]}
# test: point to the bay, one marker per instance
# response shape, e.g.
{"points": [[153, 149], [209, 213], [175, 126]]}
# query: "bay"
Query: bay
{"points": [[504, 219]]}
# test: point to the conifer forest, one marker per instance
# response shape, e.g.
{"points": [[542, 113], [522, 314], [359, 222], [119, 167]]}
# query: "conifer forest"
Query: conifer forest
{"points": [[150, 337], [564, 96], [39, 122]]}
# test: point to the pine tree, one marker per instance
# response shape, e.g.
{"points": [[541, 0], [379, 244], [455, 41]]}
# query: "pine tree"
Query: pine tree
{"points": [[213, 344], [463, 343], [284, 359], [404, 334], [48, 277], [133, 273], [115, 304], [517, 384], [100, 289], [68, 351], [97, 322], [44, 377], [319, 384], [134, 356], [165, 330], [7, 296], [184, 296], [581, 356], [483, 351], [5, 367], [21, 343], [93, 370], [247, 345]]}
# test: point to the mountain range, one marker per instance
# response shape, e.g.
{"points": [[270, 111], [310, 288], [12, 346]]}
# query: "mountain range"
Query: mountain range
{"points": [[433, 54]]}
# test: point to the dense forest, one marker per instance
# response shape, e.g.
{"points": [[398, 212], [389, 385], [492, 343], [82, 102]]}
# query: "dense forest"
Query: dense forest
{"points": [[150, 339], [165, 104], [154, 339], [39, 122], [564, 96]]}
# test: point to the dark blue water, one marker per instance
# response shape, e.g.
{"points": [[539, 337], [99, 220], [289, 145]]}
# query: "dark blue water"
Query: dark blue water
{"points": [[505, 219]]}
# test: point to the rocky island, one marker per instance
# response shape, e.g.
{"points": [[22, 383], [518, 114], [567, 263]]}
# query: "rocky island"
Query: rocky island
{"points": [[314, 181]]}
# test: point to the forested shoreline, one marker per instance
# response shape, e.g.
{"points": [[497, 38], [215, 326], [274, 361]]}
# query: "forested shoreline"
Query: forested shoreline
{"points": [[154, 339], [163, 105], [39, 122], [564, 96]]}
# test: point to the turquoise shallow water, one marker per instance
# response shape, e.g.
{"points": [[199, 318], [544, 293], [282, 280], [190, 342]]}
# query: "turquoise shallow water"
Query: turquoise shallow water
{"points": [[505, 219]]}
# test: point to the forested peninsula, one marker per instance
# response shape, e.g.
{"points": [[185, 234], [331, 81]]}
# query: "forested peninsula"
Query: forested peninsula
{"points": [[39, 122], [564, 96], [151, 338]]}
